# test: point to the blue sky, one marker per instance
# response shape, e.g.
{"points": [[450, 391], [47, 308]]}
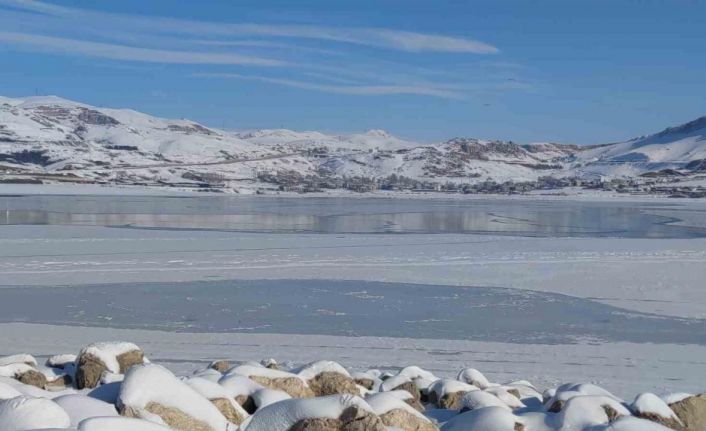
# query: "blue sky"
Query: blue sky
{"points": [[543, 70]]}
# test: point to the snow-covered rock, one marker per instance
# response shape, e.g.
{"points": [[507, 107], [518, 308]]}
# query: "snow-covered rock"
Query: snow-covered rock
{"points": [[27, 413], [219, 365], [330, 413], [153, 393], [7, 391], [221, 397], [24, 373], [395, 412], [691, 411], [61, 361], [22, 358], [265, 397], [479, 399], [650, 406], [447, 393], [583, 411], [473, 377], [328, 378], [292, 384], [96, 358], [80, 407], [485, 419], [120, 424]]}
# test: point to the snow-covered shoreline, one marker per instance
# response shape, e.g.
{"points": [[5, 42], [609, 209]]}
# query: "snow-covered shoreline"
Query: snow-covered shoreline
{"points": [[622, 368], [568, 194], [63, 379]]}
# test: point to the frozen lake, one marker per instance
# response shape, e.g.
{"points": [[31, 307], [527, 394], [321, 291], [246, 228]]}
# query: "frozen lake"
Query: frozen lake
{"points": [[346, 308], [518, 217], [555, 290]]}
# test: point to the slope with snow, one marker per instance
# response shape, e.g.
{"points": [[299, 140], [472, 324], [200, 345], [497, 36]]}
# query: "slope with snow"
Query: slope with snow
{"points": [[40, 135], [673, 148]]}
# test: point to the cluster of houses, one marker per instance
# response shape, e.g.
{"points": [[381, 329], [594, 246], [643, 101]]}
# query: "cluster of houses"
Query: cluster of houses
{"points": [[291, 181]]}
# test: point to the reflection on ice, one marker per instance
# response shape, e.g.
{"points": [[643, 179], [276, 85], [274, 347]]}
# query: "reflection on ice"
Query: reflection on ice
{"points": [[346, 215]]}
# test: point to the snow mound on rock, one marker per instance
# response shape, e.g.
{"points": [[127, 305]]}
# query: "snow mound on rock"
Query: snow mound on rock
{"points": [[283, 415], [119, 424], [108, 352], [22, 358], [313, 369], [80, 407], [27, 413], [149, 389]]}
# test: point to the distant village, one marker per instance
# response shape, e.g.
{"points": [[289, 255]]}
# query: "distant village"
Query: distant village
{"points": [[662, 185], [670, 183]]}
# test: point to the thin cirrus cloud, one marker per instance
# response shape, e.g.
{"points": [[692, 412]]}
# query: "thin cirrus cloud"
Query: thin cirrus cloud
{"points": [[306, 50], [359, 90], [373, 37], [120, 52]]}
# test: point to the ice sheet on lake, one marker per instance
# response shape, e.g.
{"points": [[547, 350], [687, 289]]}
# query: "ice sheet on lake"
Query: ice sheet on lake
{"points": [[345, 308]]}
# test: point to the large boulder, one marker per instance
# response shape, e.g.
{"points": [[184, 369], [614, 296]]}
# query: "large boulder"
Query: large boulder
{"points": [[475, 400], [328, 378], [556, 398], [97, 358], [33, 378], [584, 411], [24, 373], [62, 361], [396, 413], [331, 413], [485, 419], [351, 419], [220, 365], [220, 397], [153, 393], [447, 393], [290, 383], [473, 377], [651, 407], [241, 389], [368, 380], [692, 412]]}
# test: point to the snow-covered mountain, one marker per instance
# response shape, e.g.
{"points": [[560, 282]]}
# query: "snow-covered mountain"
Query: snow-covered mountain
{"points": [[51, 136], [680, 147]]}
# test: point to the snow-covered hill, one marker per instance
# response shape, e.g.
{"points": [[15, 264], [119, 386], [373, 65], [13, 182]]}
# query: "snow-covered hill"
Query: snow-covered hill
{"points": [[52, 136], [680, 147]]}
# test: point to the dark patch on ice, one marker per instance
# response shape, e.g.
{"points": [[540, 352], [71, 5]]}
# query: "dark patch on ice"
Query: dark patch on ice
{"points": [[388, 309]]}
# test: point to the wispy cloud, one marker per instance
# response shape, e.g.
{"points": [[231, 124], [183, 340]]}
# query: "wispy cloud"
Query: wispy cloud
{"points": [[319, 58], [120, 52], [374, 37], [358, 90]]}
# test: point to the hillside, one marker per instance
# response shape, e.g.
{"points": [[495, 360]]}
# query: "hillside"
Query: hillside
{"points": [[54, 138]]}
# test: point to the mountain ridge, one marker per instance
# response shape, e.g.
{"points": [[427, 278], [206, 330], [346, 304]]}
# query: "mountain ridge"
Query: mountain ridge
{"points": [[54, 136]]}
